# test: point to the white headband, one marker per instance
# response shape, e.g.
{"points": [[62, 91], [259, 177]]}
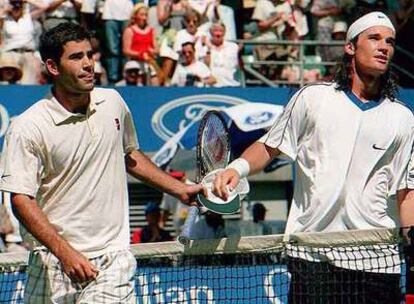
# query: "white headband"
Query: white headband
{"points": [[367, 21]]}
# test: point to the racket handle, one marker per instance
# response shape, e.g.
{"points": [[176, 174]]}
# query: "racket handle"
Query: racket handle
{"points": [[184, 237]]}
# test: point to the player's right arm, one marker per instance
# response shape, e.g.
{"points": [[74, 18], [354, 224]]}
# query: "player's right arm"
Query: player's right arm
{"points": [[20, 164], [256, 157], [283, 138], [74, 264]]}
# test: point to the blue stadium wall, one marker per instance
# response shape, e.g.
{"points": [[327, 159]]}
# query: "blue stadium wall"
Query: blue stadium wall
{"points": [[158, 112]]}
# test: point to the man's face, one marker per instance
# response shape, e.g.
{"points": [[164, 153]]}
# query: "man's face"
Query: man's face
{"points": [[132, 76], [191, 25], [76, 67], [217, 35], [374, 50], [8, 74], [188, 54]]}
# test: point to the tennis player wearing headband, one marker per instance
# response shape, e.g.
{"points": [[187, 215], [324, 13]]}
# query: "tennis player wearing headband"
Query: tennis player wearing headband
{"points": [[65, 161], [351, 143]]}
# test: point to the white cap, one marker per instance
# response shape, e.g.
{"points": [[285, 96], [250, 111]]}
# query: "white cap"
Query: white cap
{"points": [[10, 60], [339, 27], [132, 65], [367, 21]]}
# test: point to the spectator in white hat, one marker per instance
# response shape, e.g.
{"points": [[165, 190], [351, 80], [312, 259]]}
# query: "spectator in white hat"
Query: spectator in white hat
{"points": [[133, 75], [339, 30], [336, 52], [10, 69]]}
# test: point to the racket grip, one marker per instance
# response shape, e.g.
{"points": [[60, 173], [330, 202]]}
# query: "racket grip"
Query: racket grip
{"points": [[184, 237]]}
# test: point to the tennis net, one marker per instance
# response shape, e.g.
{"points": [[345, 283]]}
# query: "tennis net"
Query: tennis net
{"points": [[361, 266]]}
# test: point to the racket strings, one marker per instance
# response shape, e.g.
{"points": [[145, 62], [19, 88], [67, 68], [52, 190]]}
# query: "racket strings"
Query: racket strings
{"points": [[214, 145]]}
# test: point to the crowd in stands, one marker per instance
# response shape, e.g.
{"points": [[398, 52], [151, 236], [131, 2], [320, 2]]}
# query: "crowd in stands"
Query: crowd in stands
{"points": [[185, 42]]}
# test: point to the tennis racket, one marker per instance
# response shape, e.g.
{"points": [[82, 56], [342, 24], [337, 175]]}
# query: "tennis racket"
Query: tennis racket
{"points": [[213, 152]]}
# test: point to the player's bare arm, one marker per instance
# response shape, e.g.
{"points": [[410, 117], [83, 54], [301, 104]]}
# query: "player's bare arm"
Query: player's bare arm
{"points": [[141, 167], [258, 155], [75, 265], [405, 200]]}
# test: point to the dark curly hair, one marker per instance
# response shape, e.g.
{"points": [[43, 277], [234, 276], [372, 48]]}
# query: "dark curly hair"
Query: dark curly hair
{"points": [[343, 78], [53, 41]]}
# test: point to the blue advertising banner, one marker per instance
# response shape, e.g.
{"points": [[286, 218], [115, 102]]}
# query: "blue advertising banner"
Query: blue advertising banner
{"points": [[243, 285], [158, 113], [153, 285]]}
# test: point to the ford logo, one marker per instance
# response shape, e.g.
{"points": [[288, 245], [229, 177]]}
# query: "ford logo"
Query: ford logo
{"points": [[258, 118], [178, 113]]}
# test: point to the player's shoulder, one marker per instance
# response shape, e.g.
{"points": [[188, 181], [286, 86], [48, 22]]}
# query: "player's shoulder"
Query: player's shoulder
{"points": [[105, 93], [402, 109], [401, 106], [108, 97], [32, 114], [317, 88], [314, 93], [32, 119]]}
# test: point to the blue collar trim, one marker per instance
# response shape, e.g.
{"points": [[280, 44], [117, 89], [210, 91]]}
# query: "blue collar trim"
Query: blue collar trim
{"points": [[364, 106]]}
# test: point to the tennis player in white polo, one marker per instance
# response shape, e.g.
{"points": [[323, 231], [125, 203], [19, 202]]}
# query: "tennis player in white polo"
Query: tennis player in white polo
{"points": [[65, 161], [351, 141]]}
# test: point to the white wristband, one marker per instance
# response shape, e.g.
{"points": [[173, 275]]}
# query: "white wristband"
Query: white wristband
{"points": [[241, 166]]}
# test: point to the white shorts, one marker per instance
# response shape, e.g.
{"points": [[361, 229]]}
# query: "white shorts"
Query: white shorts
{"points": [[47, 283]]}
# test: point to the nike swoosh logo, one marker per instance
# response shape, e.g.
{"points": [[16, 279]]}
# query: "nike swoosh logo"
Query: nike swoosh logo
{"points": [[374, 146]]}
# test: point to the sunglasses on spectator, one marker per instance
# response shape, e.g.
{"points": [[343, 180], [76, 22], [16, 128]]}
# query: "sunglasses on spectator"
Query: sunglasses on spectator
{"points": [[133, 71]]}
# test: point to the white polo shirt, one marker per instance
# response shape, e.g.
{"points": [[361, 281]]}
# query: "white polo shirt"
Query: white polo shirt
{"points": [[74, 165], [350, 158]]}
